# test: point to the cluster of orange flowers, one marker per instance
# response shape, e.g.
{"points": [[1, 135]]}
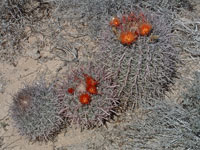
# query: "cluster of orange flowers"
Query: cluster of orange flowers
{"points": [[90, 89], [128, 28]]}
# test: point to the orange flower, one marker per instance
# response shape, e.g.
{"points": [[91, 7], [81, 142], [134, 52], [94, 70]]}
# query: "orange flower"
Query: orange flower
{"points": [[91, 89], [145, 28], [128, 37], [115, 22], [84, 98], [70, 90], [90, 81]]}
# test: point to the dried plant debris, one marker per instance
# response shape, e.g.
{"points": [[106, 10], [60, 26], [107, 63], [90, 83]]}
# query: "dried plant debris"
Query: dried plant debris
{"points": [[3, 129], [22, 21], [191, 102], [35, 111], [164, 126], [178, 4], [1, 142], [189, 29], [191, 99], [15, 16], [2, 83], [173, 5]]}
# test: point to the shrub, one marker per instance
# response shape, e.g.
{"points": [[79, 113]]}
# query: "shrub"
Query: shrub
{"points": [[164, 126]]}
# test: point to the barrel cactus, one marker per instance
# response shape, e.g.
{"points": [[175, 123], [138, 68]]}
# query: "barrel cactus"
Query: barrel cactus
{"points": [[142, 66], [35, 111], [88, 96]]}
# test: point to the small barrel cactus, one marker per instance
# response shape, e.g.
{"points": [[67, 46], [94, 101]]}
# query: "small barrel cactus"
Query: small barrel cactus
{"points": [[35, 111], [143, 67], [88, 96]]}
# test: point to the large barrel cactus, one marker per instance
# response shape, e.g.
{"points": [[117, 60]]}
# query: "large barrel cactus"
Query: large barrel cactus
{"points": [[143, 64]]}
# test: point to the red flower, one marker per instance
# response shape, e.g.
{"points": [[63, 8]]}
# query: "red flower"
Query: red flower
{"points": [[91, 89], [90, 81], [84, 98], [128, 37], [145, 28], [115, 22], [70, 90]]}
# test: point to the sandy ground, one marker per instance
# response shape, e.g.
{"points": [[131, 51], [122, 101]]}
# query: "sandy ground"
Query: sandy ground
{"points": [[29, 66]]}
